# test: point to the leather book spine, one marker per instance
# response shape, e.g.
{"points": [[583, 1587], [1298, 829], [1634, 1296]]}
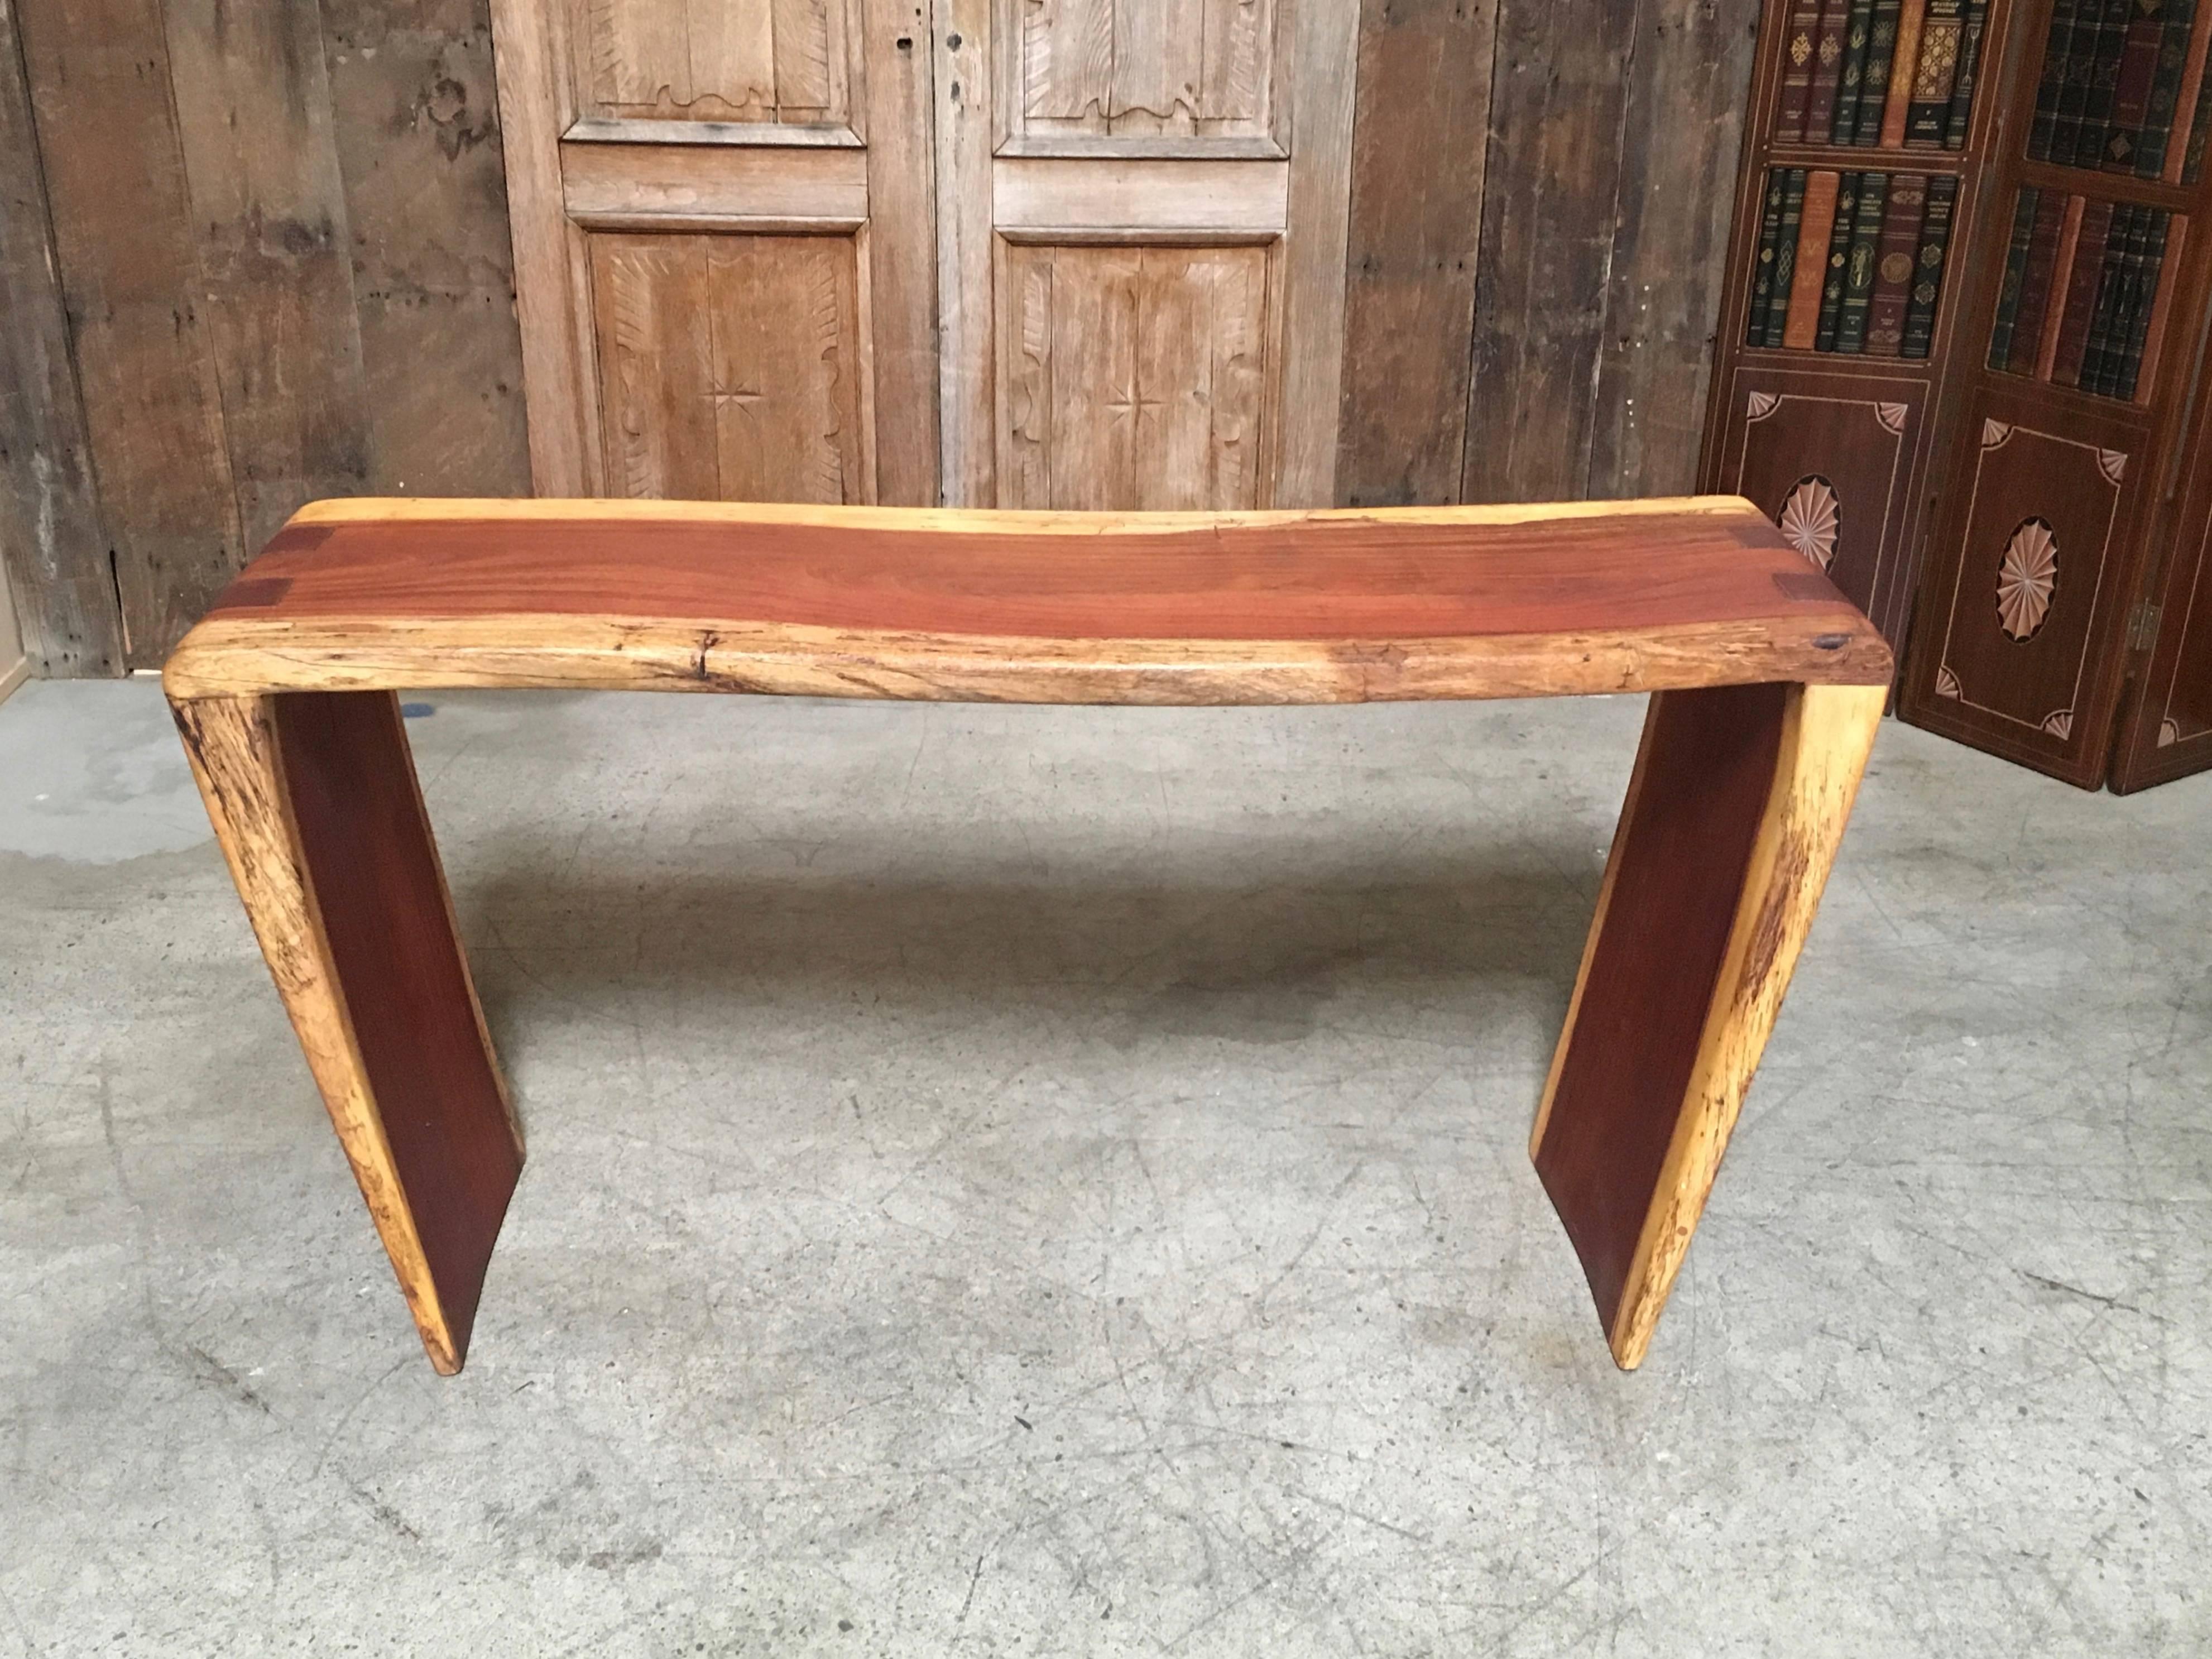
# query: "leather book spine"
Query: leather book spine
{"points": [[1873, 84], [1933, 77], [1960, 118], [2161, 276], [2139, 55], [1816, 224], [1797, 47], [1827, 72], [2035, 280], [2113, 375], [1898, 257], [2074, 80], [1838, 262], [1858, 34], [1927, 277], [1762, 276], [2084, 283], [2112, 283], [1904, 64], [2061, 285], [2057, 44], [2104, 84], [2120, 304], [1858, 269], [1785, 256], [2015, 267]]}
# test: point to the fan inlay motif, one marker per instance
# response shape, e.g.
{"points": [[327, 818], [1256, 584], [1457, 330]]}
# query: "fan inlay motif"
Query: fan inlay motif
{"points": [[2026, 576], [1810, 519]]}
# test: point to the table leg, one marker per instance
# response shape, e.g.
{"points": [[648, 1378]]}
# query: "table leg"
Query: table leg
{"points": [[1734, 814], [314, 799]]}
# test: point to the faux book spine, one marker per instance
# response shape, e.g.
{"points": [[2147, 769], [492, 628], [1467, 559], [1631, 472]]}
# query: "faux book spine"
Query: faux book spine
{"points": [[1905, 60], [1935, 73], [1838, 263], [1928, 279], [2097, 104], [2139, 55], [1827, 72], [2035, 280], [1961, 114], [1770, 237], [1816, 224], [1858, 36], [1898, 256], [2164, 97], [1858, 270], [2016, 268], [1785, 256], [2085, 277], [1874, 85], [1797, 49]]}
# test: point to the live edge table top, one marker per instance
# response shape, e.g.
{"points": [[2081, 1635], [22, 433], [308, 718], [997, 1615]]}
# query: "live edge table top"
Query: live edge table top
{"points": [[1263, 608]]}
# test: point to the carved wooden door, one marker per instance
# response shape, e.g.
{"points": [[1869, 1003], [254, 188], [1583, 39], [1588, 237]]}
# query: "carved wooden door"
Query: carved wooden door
{"points": [[723, 254], [1142, 205], [1064, 254]]}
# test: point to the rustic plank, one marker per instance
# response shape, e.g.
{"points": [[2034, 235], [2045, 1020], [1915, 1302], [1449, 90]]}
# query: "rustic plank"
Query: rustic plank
{"points": [[900, 320], [98, 74], [314, 802], [1420, 144], [66, 619], [415, 110], [962, 131], [1732, 818], [1324, 58], [1557, 103], [552, 280], [1379, 604], [1688, 85], [275, 279]]}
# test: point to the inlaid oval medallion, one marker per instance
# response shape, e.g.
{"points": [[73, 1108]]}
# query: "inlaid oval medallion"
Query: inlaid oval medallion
{"points": [[1810, 517], [2026, 576]]}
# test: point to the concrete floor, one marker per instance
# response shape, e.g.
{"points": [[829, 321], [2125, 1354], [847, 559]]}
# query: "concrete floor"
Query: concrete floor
{"points": [[1052, 1182]]}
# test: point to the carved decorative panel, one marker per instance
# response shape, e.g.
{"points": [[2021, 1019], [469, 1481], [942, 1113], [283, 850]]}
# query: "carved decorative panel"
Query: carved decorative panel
{"points": [[1132, 377], [2021, 616], [730, 366], [1139, 68], [717, 60]]}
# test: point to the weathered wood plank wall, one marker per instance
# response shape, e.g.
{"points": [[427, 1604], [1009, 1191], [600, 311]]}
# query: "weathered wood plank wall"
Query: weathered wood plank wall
{"points": [[253, 251], [1540, 199], [278, 234]]}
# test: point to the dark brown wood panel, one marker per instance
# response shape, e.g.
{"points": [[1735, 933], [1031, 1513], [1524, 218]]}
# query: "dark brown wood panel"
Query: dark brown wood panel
{"points": [[123, 221], [253, 117], [414, 119], [1833, 460], [51, 539], [381, 900], [2167, 731], [1687, 835], [1418, 143], [1681, 136], [2025, 608], [1549, 212], [1346, 577]]}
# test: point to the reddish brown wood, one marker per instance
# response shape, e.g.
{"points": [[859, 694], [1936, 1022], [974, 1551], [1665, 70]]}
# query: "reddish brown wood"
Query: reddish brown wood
{"points": [[1687, 835], [1347, 578], [382, 903]]}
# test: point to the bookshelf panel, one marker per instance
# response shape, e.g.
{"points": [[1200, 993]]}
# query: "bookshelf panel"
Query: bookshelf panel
{"points": [[2017, 622], [1850, 264], [2168, 730], [1833, 460], [2121, 89], [1883, 78]]}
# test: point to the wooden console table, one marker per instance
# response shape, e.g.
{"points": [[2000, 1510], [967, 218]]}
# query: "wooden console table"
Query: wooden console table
{"points": [[1769, 685]]}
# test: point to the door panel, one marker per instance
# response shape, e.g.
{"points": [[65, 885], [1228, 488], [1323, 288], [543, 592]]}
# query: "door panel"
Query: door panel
{"points": [[1134, 378], [762, 61], [702, 226], [1076, 252], [1074, 72], [730, 366]]}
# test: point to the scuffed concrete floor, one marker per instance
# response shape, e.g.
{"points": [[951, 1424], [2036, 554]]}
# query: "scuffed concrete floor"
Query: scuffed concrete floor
{"points": [[1052, 1182]]}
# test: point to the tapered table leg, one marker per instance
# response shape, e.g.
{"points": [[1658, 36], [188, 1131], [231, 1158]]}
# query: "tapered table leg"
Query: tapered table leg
{"points": [[314, 799], [1734, 814]]}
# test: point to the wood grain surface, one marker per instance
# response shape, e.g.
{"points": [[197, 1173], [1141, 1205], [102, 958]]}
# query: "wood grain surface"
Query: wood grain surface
{"points": [[314, 802], [1732, 820], [1030, 607]]}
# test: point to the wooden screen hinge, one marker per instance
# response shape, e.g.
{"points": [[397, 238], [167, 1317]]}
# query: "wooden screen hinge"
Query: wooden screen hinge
{"points": [[2142, 625]]}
